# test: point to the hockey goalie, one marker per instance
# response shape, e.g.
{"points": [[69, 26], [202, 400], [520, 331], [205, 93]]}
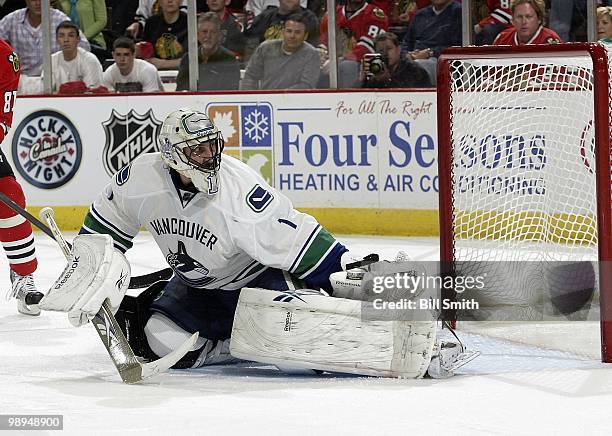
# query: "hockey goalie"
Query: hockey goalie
{"points": [[257, 279]]}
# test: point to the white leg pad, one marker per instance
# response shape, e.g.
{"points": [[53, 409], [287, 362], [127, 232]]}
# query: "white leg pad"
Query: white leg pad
{"points": [[304, 329]]}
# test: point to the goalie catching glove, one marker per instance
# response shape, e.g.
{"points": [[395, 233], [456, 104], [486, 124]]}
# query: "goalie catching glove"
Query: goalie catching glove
{"points": [[95, 272]]}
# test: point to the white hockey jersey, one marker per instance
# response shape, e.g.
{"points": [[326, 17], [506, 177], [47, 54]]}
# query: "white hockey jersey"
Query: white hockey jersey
{"points": [[219, 242]]}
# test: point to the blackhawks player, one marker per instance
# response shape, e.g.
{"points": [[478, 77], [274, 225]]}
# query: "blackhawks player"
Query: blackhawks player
{"points": [[15, 231]]}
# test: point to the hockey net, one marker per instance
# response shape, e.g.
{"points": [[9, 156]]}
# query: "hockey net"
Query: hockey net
{"points": [[525, 174]]}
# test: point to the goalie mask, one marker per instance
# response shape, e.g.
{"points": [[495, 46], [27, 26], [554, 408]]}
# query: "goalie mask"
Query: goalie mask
{"points": [[191, 144]]}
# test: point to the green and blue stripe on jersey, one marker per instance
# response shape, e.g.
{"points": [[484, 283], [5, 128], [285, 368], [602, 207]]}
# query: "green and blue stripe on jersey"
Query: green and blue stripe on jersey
{"points": [[318, 258], [96, 223]]}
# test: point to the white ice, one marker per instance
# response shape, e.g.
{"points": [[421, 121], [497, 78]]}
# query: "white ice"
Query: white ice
{"points": [[49, 367]]}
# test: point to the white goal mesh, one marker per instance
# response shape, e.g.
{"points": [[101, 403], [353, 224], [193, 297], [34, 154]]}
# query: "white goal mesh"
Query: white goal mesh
{"points": [[517, 141]]}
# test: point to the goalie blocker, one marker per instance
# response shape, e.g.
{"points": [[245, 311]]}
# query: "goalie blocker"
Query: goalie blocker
{"points": [[95, 272]]}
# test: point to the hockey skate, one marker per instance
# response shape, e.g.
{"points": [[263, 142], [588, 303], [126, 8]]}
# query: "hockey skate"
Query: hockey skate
{"points": [[211, 353], [25, 292], [448, 357]]}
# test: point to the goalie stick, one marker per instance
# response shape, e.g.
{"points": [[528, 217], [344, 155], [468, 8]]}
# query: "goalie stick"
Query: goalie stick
{"points": [[137, 282], [129, 367]]}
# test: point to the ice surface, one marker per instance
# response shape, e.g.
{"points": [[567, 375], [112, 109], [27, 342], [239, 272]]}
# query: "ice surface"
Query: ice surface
{"points": [[49, 367]]}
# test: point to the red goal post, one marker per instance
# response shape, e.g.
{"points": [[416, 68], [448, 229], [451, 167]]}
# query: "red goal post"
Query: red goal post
{"points": [[525, 158]]}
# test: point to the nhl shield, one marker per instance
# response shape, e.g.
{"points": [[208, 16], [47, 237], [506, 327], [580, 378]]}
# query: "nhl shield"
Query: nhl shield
{"points": [[127, 137]]}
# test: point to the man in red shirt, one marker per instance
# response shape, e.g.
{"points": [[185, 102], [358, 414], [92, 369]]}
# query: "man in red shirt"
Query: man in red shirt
{"points": [[15, 231], [527, 19]]}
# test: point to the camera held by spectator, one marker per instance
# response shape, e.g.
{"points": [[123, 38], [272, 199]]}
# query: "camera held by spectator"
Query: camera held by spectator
{"points": [[386, 69], [374, 64]]}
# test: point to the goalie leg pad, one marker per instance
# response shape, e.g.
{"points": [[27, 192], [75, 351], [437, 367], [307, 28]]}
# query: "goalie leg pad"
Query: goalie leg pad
{"points": [[304, 329]]}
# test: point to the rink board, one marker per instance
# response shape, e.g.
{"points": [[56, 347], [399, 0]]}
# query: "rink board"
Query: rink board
{"points": [[362, 162]]}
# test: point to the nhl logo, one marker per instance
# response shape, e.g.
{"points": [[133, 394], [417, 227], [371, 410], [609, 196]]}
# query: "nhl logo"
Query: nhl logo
{"points": [[127, 137], [46, 149]]}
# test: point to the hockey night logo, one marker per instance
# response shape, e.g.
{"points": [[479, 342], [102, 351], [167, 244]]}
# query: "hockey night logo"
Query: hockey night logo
{"points": [[127, 137], [46, 149], [247, 130]]}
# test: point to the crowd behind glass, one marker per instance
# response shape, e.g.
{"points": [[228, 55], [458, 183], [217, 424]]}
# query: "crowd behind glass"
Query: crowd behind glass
{"points": [[103, 46]]}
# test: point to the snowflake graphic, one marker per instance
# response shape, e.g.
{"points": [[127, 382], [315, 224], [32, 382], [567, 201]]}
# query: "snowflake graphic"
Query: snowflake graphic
{"points": [[256, 126], [223, 121]]}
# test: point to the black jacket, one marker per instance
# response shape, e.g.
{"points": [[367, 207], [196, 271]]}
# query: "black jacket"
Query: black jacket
{"points": [[408, 74]]}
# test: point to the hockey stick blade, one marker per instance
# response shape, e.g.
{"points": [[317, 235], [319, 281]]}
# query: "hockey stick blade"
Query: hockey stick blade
{"points": [[137, 282], [163, 364], [130, 369]]}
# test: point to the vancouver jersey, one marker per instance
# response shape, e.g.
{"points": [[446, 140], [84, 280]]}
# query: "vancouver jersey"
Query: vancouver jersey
{"points": [[218, 242], [9, 80]]}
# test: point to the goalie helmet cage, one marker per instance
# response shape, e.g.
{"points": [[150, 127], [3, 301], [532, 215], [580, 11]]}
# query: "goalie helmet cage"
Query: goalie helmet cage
{"points": [[524, 158]]}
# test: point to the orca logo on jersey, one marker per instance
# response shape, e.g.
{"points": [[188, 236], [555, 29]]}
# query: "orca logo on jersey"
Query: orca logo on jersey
{"points": [[127, 137], [189, 270], [259, 198], [47, 149]]}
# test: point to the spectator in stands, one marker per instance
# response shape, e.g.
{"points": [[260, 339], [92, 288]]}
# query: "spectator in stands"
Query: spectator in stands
{"points": [[288, 63], [604, 24], [218, 68], [432, 29], [528, 28], [90, 16], [73, 68], [406, 10], [121, 16], [392, 71], [167, 32], [568, 19], [23, 30], [129, 74], [269, 24], [232, 37], [256, 7], [146, 9], [358, 24], [316, 6], [499, 19]]}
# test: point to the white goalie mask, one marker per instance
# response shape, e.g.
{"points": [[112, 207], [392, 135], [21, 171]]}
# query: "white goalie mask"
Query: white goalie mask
{"points": [[191, 144]]}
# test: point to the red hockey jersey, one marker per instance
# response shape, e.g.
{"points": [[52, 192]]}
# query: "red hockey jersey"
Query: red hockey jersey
{"points": [[499, 13], [9, 80], [360, 28], [543, 35]]}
